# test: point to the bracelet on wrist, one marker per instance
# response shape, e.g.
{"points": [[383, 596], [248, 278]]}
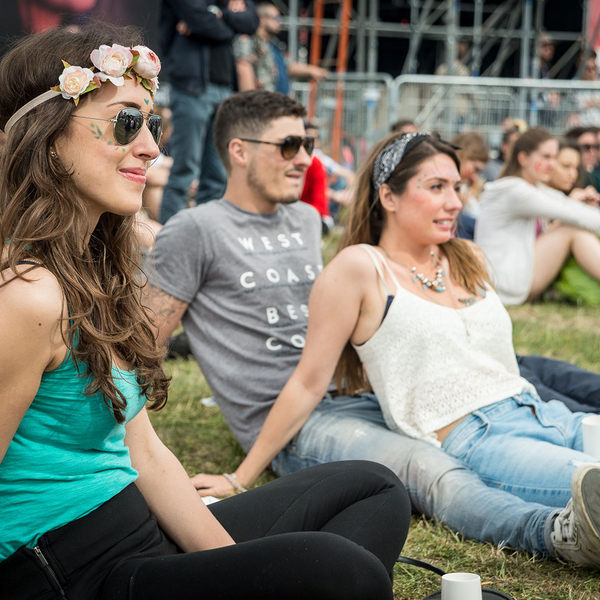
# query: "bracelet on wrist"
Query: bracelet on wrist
{"points": [[239, 488]]}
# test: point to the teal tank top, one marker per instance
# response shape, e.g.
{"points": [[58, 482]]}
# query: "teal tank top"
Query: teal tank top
{"points": [[66, 458]]}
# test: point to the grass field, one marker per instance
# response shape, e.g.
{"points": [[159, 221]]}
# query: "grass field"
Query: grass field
{"points": [[200, 438]]}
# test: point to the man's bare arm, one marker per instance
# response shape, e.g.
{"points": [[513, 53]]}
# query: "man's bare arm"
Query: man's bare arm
{"points": [[165, 312]]}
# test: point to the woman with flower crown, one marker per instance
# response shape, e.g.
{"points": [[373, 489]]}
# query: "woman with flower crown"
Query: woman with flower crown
{"points": [[407, 311], [92, 504]]}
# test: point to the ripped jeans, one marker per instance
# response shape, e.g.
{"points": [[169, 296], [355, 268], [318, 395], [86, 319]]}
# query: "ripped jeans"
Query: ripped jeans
{"points": [[442, 486]]}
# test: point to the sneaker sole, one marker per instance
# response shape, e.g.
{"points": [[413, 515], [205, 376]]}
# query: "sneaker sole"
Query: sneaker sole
{"points": [[585, 490]]}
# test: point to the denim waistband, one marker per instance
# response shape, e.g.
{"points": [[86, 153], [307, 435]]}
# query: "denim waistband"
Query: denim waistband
{"points": [[508, 404], [71, 547]]}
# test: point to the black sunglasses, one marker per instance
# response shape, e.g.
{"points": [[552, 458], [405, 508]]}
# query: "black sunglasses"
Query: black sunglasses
{"points": [[129, 122], [588, 147], [290, 146]]}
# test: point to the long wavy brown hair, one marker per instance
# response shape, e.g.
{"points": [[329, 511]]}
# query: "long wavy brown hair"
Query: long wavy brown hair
{"points": [[366, 222], [42, 218]]}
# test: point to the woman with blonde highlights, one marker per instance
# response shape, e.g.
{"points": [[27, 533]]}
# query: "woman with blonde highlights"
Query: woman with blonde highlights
{"points": [[407, 311], [92, 504]]}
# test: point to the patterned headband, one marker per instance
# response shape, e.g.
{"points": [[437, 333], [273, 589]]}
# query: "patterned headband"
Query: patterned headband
{"points": [[391, 156]]}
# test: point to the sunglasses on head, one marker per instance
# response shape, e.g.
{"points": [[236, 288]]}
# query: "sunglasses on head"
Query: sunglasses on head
{"points": [[588, 147], [290, 146], [129, 122]]}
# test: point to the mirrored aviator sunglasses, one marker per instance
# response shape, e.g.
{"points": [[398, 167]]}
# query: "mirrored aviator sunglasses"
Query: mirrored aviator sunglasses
{"points": [[129, 122]]}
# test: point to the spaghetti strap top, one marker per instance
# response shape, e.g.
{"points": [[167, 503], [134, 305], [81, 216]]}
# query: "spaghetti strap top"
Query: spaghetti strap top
{"points": [[431, 364], [377, 261]]}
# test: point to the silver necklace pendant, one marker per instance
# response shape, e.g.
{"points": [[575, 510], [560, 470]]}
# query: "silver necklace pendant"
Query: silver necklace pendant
{"points": [[437, 284], [468, 301]]}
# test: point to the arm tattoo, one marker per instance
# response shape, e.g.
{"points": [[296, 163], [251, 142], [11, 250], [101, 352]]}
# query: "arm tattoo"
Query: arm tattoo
{"points": [[163, 305]]}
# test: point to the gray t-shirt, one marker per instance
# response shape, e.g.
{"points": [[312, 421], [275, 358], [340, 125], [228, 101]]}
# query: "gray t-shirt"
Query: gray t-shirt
{"points": [[247, 278]]}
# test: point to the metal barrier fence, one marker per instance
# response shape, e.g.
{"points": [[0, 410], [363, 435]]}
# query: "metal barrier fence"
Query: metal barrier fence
{"points": [[449, 105], [454, 104], [367, 106]]}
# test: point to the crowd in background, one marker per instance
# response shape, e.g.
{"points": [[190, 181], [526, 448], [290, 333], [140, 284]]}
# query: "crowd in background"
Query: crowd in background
{"points": [[239, 50]]}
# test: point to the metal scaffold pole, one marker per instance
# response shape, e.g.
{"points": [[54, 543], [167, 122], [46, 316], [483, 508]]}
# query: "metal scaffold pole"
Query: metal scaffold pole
{"points": [[500, 28], [342, 67]]}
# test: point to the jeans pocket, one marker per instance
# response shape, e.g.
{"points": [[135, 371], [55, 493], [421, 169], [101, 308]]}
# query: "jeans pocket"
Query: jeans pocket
{"points": [[464, 439], [549, 414]]}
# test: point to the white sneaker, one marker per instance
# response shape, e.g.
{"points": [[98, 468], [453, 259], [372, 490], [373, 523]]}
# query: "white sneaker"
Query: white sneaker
{"points": [[576, 530]]}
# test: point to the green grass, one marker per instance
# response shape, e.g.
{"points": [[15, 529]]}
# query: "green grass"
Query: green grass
{"points": [[200, 438]]}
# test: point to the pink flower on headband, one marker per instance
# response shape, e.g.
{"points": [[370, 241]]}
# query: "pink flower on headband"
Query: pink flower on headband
{"points": [[147, 64], [112, 62], [75, 81]]}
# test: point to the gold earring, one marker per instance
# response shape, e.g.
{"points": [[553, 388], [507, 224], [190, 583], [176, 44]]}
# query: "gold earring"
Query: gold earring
{"points": [[53, 154]]}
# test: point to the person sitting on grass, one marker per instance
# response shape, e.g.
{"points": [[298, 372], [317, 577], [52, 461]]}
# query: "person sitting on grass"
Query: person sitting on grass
{"points": [[573, 283], [94, 506], [409, 311], [524, 257], [238, 273]]}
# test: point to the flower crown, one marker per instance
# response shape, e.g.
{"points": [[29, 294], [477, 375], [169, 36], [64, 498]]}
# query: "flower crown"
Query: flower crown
{"points": [[113, 63]]}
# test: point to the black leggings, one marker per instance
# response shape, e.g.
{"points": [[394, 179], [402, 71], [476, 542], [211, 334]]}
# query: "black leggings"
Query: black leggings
{"points": [[328, 532]]}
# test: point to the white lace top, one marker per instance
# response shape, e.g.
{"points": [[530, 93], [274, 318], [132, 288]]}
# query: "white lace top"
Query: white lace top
{"points": [[430, 365]]}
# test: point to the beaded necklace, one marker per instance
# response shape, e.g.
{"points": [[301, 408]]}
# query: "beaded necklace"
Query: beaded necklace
{"points": [[437, 284]]}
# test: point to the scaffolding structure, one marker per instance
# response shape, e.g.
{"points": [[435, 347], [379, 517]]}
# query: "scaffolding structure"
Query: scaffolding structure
{"points": [[506, 26]]}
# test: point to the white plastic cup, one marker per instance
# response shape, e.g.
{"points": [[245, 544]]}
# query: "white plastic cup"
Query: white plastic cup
{"points": [[461, 586], [590, 427]]}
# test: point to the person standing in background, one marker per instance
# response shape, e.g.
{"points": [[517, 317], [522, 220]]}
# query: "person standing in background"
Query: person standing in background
{"points": [[260, 58], [196, 40]]}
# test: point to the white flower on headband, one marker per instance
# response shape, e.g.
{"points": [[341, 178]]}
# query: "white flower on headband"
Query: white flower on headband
{"points": [[112, 62], [152, 86], [75, 81], [147, 65]]}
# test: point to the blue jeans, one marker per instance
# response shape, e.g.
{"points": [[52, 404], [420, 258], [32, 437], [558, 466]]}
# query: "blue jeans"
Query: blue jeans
{"points": [[193, 149], [440, 486], [523, 446]]}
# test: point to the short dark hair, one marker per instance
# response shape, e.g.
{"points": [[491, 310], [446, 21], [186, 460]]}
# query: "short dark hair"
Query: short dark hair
{"points": [[576, 132], [398, 125], [260, 7], [248, 114]]}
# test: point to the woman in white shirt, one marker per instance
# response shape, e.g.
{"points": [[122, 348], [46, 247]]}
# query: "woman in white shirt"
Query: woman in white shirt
{"points": [[408, 311], [523, 256]]}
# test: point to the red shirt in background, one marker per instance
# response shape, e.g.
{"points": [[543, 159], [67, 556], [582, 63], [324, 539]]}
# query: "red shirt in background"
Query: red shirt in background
{"points": [[315, 187]]}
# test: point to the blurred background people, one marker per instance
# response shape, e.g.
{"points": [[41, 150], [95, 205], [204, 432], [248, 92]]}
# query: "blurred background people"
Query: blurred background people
{"points": [[588, 144], [340, 179], [473, 154], [315, 189], [404, 126], [494, 166], [588, 101], [261, 60], [546, 47], [196, 40], [524, 254], [573, 283]]}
